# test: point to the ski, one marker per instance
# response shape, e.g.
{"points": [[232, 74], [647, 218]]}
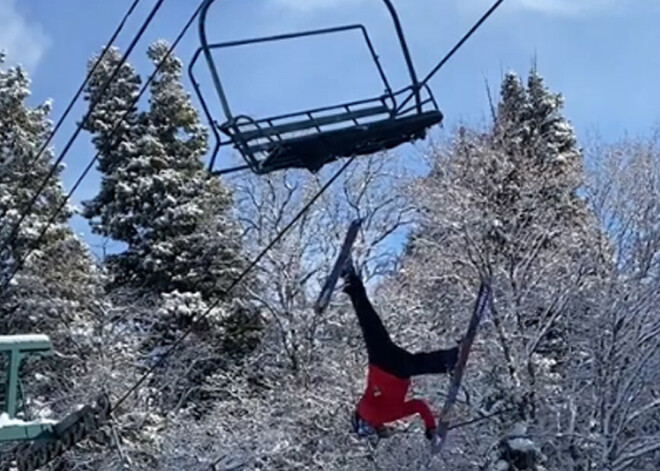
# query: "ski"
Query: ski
{"points": [[480, 307], [324, 297]]}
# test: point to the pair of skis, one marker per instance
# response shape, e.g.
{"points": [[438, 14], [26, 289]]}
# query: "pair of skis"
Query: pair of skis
{"points": [[480, 308]]}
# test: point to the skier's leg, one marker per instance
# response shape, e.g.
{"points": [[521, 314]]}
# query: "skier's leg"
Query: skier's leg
{"points": [[382, 352], [375, 335], [436, 362]]}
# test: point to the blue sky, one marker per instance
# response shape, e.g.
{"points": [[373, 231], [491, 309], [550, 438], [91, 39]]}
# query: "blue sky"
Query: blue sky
{"points": [[601, 54]]}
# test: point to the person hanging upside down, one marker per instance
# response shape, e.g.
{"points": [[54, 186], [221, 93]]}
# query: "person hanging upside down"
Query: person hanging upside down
{"points": [[390, 369]]}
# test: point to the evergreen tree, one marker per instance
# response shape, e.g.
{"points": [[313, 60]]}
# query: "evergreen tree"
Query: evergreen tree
{"points": [[56, 289], [156, 195], [183, 248], [56, 282]]}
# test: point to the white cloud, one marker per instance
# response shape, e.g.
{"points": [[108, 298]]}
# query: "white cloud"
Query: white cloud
{"points": [[24, 42], [310, 5]]}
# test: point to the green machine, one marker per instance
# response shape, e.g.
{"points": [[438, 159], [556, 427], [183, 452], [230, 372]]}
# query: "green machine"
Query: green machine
{"points": [[42, 440], [15, 348]]}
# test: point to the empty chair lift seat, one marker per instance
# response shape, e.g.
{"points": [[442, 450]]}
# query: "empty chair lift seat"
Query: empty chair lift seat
{"points": [[309, 144], [312, 138]]}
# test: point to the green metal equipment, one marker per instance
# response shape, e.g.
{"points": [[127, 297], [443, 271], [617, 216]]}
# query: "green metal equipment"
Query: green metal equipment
{"points": [[15, 348], [43, 440]]}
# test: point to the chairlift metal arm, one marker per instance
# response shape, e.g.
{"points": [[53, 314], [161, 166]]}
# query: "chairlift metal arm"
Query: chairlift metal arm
{"points": [[456, 47], [406, 52], [315, 32], [280, 37], [206, 49], [205, 107], [209, 58], [231, 125]]}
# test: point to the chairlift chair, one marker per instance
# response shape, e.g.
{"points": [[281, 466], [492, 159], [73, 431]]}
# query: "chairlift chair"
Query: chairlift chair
{"points": [[312, 138]]}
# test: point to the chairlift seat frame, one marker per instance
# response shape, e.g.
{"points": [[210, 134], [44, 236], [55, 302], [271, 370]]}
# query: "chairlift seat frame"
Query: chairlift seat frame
{"points": [[313, 151], [312, 138]]}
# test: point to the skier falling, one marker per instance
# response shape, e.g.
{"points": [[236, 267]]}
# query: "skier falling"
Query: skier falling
{"points": [[390, 369]]}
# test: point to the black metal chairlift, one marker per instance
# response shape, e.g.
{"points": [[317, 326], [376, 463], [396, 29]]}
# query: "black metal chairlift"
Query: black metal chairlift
{"points": [[312, 138]]}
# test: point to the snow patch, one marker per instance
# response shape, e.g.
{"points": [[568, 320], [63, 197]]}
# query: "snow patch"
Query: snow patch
{"points": [[5, 421], [8, 340], [523, 445]]}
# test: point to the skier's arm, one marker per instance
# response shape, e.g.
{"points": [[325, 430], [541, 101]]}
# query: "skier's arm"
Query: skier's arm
{"points": [[417, 406]]}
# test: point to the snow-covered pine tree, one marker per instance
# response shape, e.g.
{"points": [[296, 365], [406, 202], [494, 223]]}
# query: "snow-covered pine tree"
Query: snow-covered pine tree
{"points": [[56, 283], [183, 248], [505, 203], [156, 195], [57, 290]]}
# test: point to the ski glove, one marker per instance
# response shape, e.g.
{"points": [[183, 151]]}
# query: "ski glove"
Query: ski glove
{"points": [[430, 433]]}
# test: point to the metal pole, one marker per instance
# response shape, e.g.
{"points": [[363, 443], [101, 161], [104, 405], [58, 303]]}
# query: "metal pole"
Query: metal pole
{"points": [[12, 382], [456, 47], [406, 53], [209, 59]]}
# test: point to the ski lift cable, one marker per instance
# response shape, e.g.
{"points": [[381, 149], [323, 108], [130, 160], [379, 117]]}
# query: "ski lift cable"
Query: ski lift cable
{"points": [[456, 48], [73, 101], [234, 283], [28, 208], [90, 165], [97, 62]]}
